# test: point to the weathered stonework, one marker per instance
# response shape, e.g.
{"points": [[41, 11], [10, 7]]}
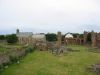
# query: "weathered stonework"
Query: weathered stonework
{"points": [[74, 41], [95, 38], [29, 37], [59, 39], [85, 37]]}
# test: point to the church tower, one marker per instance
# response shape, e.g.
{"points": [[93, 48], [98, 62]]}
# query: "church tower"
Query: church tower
{"points": [[17, 31]]}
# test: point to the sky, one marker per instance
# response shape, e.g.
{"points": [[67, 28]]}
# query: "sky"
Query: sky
{"points": [[43, 16]]}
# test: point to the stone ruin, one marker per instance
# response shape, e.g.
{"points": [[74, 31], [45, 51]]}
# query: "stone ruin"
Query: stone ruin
{"points": [[57, 47], [94, 68], [41, 45], [95, 38], [73, 40], [27, 38]]}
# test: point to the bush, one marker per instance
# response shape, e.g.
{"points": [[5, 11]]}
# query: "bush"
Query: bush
{"points": [[51, 37], [1, 66], [29, 49], [14, 59], [12, 38], [2, 37], [5, 64]]}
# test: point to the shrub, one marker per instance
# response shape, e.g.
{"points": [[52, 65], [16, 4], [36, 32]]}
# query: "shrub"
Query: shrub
{"points": [[29, 49], [2, 37], [12, 38], [51, 37], [5, 64], [13, 59], [1, 66]]}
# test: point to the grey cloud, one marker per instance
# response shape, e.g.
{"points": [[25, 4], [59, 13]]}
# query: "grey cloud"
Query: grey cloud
{"points": [[49, 15]]}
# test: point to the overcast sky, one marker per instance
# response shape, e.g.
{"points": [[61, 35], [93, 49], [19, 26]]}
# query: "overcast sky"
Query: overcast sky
{"points": [[49, 15]]}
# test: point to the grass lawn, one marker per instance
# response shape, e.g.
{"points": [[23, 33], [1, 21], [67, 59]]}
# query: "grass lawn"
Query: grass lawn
{"points": [[45, 63]]}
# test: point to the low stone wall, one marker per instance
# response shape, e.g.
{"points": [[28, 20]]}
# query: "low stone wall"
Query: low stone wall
{"points": [[4, 58], [41, 45], [13, 55], [74, 41], [3, 41]]}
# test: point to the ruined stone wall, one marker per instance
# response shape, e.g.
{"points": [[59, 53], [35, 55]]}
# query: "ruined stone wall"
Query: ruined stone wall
{"points": [[98, 39], [24, 40], [95, 38], [59, 39], [73, 41], [85, 37]]}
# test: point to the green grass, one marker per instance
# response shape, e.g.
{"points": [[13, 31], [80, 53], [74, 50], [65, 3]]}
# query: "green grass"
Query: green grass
{"points": [[45, 63]]}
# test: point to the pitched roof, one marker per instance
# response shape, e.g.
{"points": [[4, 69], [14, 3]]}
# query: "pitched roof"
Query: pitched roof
{"points": [[24, 34], [38, 36], [69, 35]]}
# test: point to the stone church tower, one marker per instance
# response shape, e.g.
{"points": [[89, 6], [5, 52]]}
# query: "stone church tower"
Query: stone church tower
{"points": [[17, 31]]}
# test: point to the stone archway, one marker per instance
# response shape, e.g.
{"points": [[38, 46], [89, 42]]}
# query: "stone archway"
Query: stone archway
{"points": [[89, 38]]}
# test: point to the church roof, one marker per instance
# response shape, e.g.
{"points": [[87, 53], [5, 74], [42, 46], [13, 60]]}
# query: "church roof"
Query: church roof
{"points": [[38, 36], [24, 34]]}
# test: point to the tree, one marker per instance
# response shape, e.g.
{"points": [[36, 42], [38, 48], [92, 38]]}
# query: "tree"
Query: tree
{"points": [[75, 35], [2, 37], [12, 38], [51, 37], [81, 36], [89, 38], [63, 37]]}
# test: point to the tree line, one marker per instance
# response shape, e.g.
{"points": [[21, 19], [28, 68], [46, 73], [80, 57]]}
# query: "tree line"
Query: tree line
{"points": [[11, 38], [53, 37]]}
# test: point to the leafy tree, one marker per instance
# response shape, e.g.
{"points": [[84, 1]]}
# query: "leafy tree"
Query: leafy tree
{"points": [[63, 37], [2, 37], [75, 35], [81, 36], [51, 37], [89, 37], [12, 38]]}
